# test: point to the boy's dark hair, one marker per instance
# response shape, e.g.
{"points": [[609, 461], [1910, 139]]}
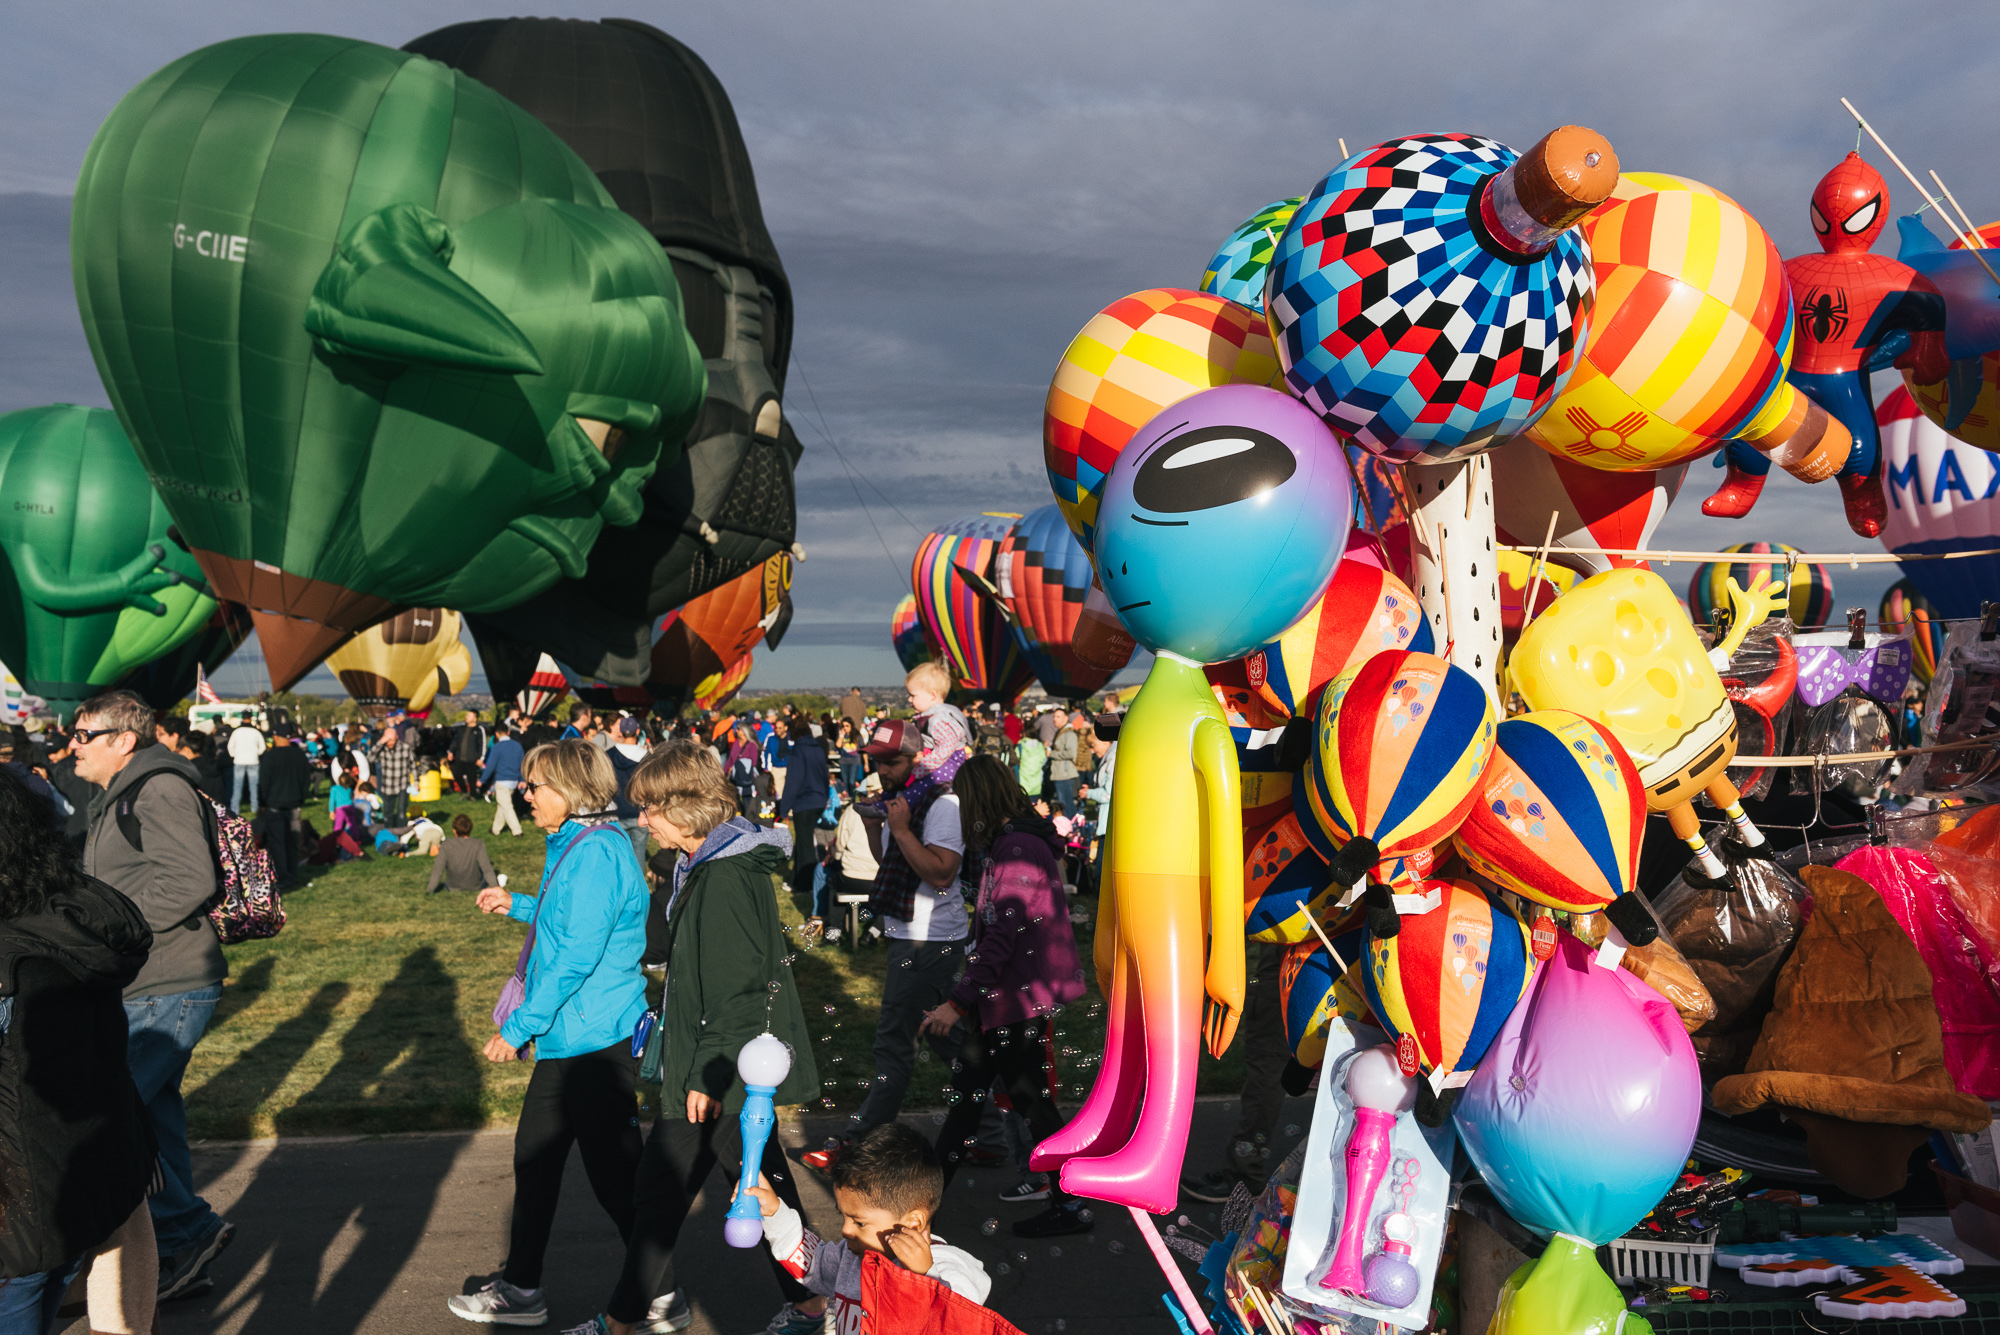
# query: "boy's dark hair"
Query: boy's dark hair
{"points": [[893, 1167], [461, 826]]}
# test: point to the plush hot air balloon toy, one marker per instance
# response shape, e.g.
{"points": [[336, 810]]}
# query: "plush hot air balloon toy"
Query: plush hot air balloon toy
{"points": [[1401, 742], [958, 601], [1043, 575], [1429, 296], [1238, 269], [1689, 342], [1135, 357], [1619, 650], [1906, 610], [906, 633], [1315, 989], [97, 583], [1444, 985], [1222, 522], [1810, 597], [402, 664], [1944, 496], [1366, 611], [383, 339], [1560, 818]]}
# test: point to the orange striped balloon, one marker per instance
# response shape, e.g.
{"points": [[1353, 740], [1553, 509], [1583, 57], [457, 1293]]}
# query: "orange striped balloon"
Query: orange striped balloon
{"points": [[1691, 336], [1135, 357]]}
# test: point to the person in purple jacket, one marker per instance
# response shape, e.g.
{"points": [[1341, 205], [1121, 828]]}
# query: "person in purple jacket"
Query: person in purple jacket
{"points": [[1022, 969]]}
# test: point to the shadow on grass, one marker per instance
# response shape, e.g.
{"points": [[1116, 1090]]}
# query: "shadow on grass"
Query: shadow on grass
{"points": [[245, 1084]]}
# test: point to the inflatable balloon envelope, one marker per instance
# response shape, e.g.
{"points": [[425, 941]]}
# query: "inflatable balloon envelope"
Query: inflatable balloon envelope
{"points": [[1591, 507], [958, 601], [1043, 575], [1812, 594], [719, 690], [1238, 269], [402, 664], [714, 632], [906, 633], [407, 355], [1944, 496], [94, 583]]}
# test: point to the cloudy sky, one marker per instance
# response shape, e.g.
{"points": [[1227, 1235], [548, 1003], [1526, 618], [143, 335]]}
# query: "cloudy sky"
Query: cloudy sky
{"points": [[956, 189]]}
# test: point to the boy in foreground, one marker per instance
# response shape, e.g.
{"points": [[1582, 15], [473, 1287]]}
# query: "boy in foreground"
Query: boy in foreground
{"points": [[888, 1184]]}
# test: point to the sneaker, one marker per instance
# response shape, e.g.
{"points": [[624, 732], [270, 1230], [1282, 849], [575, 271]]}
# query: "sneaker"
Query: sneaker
{"points": [[791, 1321], [180, 1271], [1213, 1187], [199, 1287], [668, 1314], [822, 1159], [1027, 1189], [1059, 1219], [501, 1304], [595, 1326]]}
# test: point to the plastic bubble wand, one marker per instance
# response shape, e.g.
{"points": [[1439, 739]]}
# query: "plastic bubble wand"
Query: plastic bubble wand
{"points": [[1380, 1093], [763, 1063]]}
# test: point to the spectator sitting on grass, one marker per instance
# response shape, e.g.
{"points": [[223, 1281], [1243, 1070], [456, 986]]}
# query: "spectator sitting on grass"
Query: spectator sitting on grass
{"points": [[462, 863]]}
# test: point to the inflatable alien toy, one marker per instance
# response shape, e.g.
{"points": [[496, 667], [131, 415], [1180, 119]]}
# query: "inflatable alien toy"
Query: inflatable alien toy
{"points": [[1219, 526]]}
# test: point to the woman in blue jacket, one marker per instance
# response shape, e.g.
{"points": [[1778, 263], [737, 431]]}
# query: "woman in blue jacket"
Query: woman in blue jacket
{"points": [[583, 993]]}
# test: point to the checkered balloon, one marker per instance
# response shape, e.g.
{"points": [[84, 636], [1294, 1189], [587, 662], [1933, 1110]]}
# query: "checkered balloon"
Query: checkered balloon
{"points": [[1237, 271], [1403, 323]]}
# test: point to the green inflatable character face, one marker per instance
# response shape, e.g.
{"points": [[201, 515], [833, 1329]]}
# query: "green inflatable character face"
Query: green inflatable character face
{"points": [[379, 337], [93, 587]]}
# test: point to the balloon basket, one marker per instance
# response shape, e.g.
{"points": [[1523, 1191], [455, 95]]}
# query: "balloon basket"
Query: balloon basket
{"points": [[1636, 1259]]}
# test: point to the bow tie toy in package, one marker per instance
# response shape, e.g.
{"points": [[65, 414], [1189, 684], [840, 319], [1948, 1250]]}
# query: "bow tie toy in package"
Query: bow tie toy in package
{"points": [[1830, 662]]}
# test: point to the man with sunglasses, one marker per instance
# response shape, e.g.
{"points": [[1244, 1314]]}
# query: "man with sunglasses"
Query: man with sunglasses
{"points": [[169, 873]]}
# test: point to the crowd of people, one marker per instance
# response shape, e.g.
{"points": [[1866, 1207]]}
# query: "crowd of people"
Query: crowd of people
{"points": [[957, 842]]}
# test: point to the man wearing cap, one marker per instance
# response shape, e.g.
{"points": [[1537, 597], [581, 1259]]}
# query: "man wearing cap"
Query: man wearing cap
{"points": [[918, 905]]}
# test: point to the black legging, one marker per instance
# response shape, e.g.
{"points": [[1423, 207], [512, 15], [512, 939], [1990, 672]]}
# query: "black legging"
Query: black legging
{"points": [[805, 854], [678, 1158], [589, 1100], [1015, 1055]]}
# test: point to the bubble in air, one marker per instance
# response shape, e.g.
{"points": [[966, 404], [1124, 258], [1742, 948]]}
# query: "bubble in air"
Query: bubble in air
{"points": [[990, 1227], [1117, 1249]]}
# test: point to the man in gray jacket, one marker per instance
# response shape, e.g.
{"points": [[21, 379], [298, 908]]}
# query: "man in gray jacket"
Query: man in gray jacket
{"points": [[170, 874]]}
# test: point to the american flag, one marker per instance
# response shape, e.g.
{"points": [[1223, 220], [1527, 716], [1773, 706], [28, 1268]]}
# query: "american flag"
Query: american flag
{"points": [[202, 690]]}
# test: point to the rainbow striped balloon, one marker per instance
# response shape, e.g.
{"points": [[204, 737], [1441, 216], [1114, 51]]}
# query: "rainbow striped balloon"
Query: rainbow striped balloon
{"points": [[1314, 990], [1691, 336], [1135, 357], [952, 579], [1561, 813], [1238, 269], [1044, 575], [1365, 611], [1449, 979], [717, 691], [1905, 607], [1401, 742], [906, 633], [1812, 591]]}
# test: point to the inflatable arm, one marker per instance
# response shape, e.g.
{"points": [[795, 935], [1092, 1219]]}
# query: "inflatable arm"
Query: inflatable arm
{"points": [[126, 586], [1215, 767]]}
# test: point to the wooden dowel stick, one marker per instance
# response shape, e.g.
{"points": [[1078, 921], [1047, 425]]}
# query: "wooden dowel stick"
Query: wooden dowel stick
{"points": [[1880, 143]]}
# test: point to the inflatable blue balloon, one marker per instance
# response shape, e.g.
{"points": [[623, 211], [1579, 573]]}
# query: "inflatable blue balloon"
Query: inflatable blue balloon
{"points": [[1583, 1110]]}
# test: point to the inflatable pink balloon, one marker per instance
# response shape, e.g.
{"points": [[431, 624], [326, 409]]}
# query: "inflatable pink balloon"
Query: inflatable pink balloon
{"points": [[1584, 1108]]}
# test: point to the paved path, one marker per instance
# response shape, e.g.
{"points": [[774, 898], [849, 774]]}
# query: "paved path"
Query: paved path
{"points": [[353, 1235]]}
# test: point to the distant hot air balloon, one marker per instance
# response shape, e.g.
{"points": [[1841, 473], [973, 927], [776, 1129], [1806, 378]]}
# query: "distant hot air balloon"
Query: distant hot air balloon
{"points": [[720, 689], [381, 337], [1132, 359], [405, 662], [1592, 507], [95, 582], [1944, 496], [1238, 269], [1904, 608], [1043, 575], [649, 117], [958, 601], [546, 687], [1811, 591], [906, 633], [714, 631]]}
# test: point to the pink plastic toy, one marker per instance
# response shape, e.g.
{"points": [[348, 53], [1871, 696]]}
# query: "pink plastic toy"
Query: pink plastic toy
{"points": [[1380, 1093]]}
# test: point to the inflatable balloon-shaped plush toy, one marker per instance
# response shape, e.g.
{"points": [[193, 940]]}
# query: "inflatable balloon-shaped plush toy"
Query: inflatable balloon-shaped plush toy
{"points": [[1689, 342], [1135, 357], [1430, 295], [1580, 1116], [1221, 522], [1560, 817], [1366, 611], [93, 581], [1619, 650], [1238, 269], [1401, 742], [379, 335], [1315, 989]]}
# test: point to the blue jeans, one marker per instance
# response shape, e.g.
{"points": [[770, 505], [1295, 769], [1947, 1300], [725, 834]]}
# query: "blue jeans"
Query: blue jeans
{"points": [[635, 830], [28, 1303], [850, 773], [242, 773], [162, 1032], [1065, 795]]}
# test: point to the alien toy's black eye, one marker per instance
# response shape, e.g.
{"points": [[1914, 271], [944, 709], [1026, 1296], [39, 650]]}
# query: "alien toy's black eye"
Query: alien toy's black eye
{"points": [[1211, 466]]}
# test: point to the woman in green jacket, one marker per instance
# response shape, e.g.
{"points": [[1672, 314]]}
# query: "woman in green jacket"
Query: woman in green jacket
{"points": [[727, 982]]}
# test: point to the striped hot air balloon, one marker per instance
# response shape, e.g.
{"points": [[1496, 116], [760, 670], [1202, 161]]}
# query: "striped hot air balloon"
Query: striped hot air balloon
{"points": [[1044, 574], [1237, 271], [545, 689], [1904, 607], [1315, 989], [1691, 337], [1812, 587], [1365, 611], [1135, 357], [720, 689], [1446, 983], [1401, 742], [906, 633], [1561, 813], [958, 602]]}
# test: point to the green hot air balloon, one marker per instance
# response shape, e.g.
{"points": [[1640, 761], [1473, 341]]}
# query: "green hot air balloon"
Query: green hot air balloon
{"points": [[95, 585], [380, 338]]}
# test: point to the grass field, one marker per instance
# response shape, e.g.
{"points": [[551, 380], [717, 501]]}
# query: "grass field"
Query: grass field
{"points": [[368, 1012]]}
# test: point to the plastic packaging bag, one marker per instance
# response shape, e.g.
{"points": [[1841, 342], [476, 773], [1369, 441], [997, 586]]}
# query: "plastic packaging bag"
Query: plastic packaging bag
{"points": [[1760, 679], [1735, 937], [1844, 726], [1959, 707]]}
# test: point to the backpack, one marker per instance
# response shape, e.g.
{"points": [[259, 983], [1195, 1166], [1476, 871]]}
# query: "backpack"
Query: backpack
{"points": [[246, 906]]}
